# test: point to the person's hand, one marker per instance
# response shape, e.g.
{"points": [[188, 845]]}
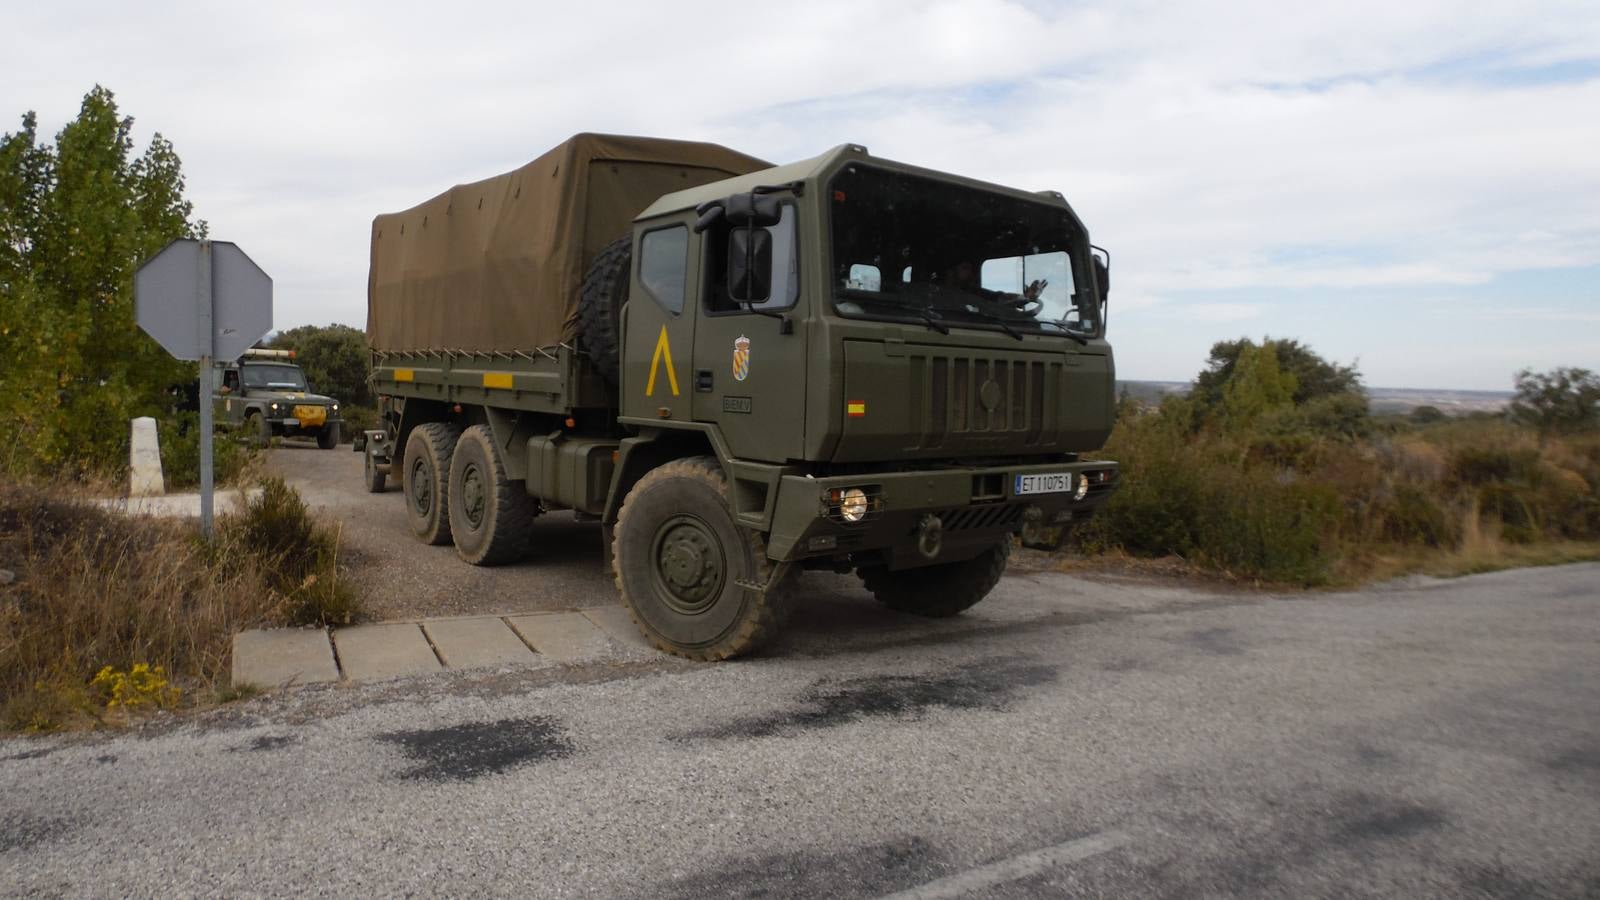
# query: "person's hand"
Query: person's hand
{"points": [[1034, 289]]}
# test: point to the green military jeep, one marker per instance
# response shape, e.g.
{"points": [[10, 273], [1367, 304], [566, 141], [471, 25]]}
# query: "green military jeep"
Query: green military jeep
{"points": [[267, 394]]}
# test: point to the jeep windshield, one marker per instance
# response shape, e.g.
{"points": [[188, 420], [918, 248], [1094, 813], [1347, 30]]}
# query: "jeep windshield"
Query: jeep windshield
{"points": [[911, 248], [261, 377]]}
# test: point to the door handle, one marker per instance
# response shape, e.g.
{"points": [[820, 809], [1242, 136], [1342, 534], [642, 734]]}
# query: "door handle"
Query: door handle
{"points": [[702, 380]]}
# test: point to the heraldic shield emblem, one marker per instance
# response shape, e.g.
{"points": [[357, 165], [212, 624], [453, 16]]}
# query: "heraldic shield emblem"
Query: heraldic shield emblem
{"points": [[741, 358]]}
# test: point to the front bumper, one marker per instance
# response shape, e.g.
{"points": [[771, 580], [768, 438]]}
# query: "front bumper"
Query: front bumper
{"points": [[974, 507]]}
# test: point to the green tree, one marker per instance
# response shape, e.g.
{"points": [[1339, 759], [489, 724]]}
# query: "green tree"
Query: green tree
{"points": [[335, 360], [1256, 386], [1558, 401], [1245, 370], [76, 220], [1314, 376]]}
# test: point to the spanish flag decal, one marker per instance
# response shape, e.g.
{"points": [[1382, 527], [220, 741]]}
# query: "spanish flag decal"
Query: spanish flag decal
{"points": [[855, 409]]}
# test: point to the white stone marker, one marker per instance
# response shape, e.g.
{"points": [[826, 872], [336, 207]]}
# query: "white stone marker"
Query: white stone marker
{"points": [[144, 463]]}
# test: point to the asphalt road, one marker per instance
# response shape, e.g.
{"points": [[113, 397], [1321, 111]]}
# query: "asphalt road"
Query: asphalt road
{"points": [[1066, 738]]}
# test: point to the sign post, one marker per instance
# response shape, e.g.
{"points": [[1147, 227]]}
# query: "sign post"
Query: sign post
{"points": [[205, 301]]}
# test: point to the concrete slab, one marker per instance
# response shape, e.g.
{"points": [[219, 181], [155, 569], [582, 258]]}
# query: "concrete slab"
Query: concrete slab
{"points": [[371, 652], [617, 622], [478, 641], [279, 656], [562, 636], [180, 506]]}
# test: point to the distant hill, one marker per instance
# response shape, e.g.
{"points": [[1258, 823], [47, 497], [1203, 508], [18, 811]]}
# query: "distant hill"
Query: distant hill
{"points": [[1383, 400]]}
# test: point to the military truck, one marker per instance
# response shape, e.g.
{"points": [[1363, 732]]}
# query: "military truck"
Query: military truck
{"points": [[266, 394], [740, 370]]}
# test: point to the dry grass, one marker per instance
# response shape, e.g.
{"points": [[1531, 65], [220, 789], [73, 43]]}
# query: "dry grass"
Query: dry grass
{"points": [[96, 589]]}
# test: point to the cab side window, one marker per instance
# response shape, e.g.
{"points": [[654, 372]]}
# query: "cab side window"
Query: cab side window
{"points": [[664, 265], [230, 380], [785, 283]]}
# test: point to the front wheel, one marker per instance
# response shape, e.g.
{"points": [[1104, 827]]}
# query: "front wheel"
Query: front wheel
{"points": [[687, 572], [942, 590], [259, 429], [328, 437]]}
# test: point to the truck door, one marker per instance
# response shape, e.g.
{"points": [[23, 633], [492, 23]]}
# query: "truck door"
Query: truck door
{"points": [[658, 340], [749, 358]]}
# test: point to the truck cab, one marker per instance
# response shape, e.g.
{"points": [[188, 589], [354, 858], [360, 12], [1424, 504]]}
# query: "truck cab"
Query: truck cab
{"points": [[267, 394], [929, 345]]}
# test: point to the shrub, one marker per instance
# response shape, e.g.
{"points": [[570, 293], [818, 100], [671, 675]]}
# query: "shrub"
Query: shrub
{"points": [[296, 555], [138, 601], [179, 439]]}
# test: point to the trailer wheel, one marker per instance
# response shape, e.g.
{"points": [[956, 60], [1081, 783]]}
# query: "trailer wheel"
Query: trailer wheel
{"points": [[942, 590], [683, 565], [605, 290], [489, 515], [424, 475], [374, 476]]}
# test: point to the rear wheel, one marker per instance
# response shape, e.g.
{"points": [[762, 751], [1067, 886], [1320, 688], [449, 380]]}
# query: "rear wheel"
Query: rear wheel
{"points": [[683, 565], [328, 437], [489, 515], [605, 290], [424, 475], [942, 590]]}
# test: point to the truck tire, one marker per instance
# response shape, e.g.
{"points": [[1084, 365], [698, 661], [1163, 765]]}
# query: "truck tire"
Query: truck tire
{"points": [[489, 515], [425, 478], [679, 558], [605, 290], [942, 590], [373, 476], [328, 437]]}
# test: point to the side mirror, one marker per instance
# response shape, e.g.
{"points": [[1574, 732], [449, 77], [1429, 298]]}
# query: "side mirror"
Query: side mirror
{"points": [[749, 264], [760, 210], [1102, 271]]}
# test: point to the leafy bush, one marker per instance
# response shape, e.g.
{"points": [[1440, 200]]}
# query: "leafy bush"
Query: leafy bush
{"points": [[179, 439], [296, 555]]}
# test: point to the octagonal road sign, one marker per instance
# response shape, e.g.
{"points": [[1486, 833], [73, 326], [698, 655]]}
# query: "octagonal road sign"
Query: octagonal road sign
{"points": [[203, 299]]}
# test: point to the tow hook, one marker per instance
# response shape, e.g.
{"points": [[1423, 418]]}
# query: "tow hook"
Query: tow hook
{"points": [[930, 536]]}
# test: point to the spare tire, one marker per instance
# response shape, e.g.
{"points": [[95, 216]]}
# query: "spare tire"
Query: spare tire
{"points": [[605, 290]]}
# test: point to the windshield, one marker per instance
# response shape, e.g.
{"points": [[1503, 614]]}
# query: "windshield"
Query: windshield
{"points": [[908, 246], [274, 377]]}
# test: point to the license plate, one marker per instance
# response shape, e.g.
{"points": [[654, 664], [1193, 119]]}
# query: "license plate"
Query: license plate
{"points": [[310, 415], [1044, 483]]}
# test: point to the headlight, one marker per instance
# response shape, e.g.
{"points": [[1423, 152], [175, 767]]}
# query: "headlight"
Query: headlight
{"points": [[274, 407], [1083, 487], [336, 407], [853, 505]]}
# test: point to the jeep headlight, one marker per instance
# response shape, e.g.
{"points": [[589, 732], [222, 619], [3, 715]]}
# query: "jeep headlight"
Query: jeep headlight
{"points": [[334, 407], [274, 407], [853, 505]]}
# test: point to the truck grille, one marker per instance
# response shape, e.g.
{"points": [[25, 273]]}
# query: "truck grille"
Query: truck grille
{"points": [[948, 393]]}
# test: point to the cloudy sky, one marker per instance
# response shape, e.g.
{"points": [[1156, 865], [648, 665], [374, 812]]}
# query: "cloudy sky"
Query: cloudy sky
{"points": [[1414, 186]]}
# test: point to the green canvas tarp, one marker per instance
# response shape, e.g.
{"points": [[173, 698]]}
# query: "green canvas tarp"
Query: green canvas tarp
{"points": [[497, 265]]}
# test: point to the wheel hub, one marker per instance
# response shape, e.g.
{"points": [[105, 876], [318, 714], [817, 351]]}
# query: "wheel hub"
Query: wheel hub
{"points": [[472, 495], [689, 565], [421, 487]]}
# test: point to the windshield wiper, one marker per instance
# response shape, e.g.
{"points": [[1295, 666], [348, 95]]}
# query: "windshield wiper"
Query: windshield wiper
{"points": [[931, 318], [991, 317]]}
